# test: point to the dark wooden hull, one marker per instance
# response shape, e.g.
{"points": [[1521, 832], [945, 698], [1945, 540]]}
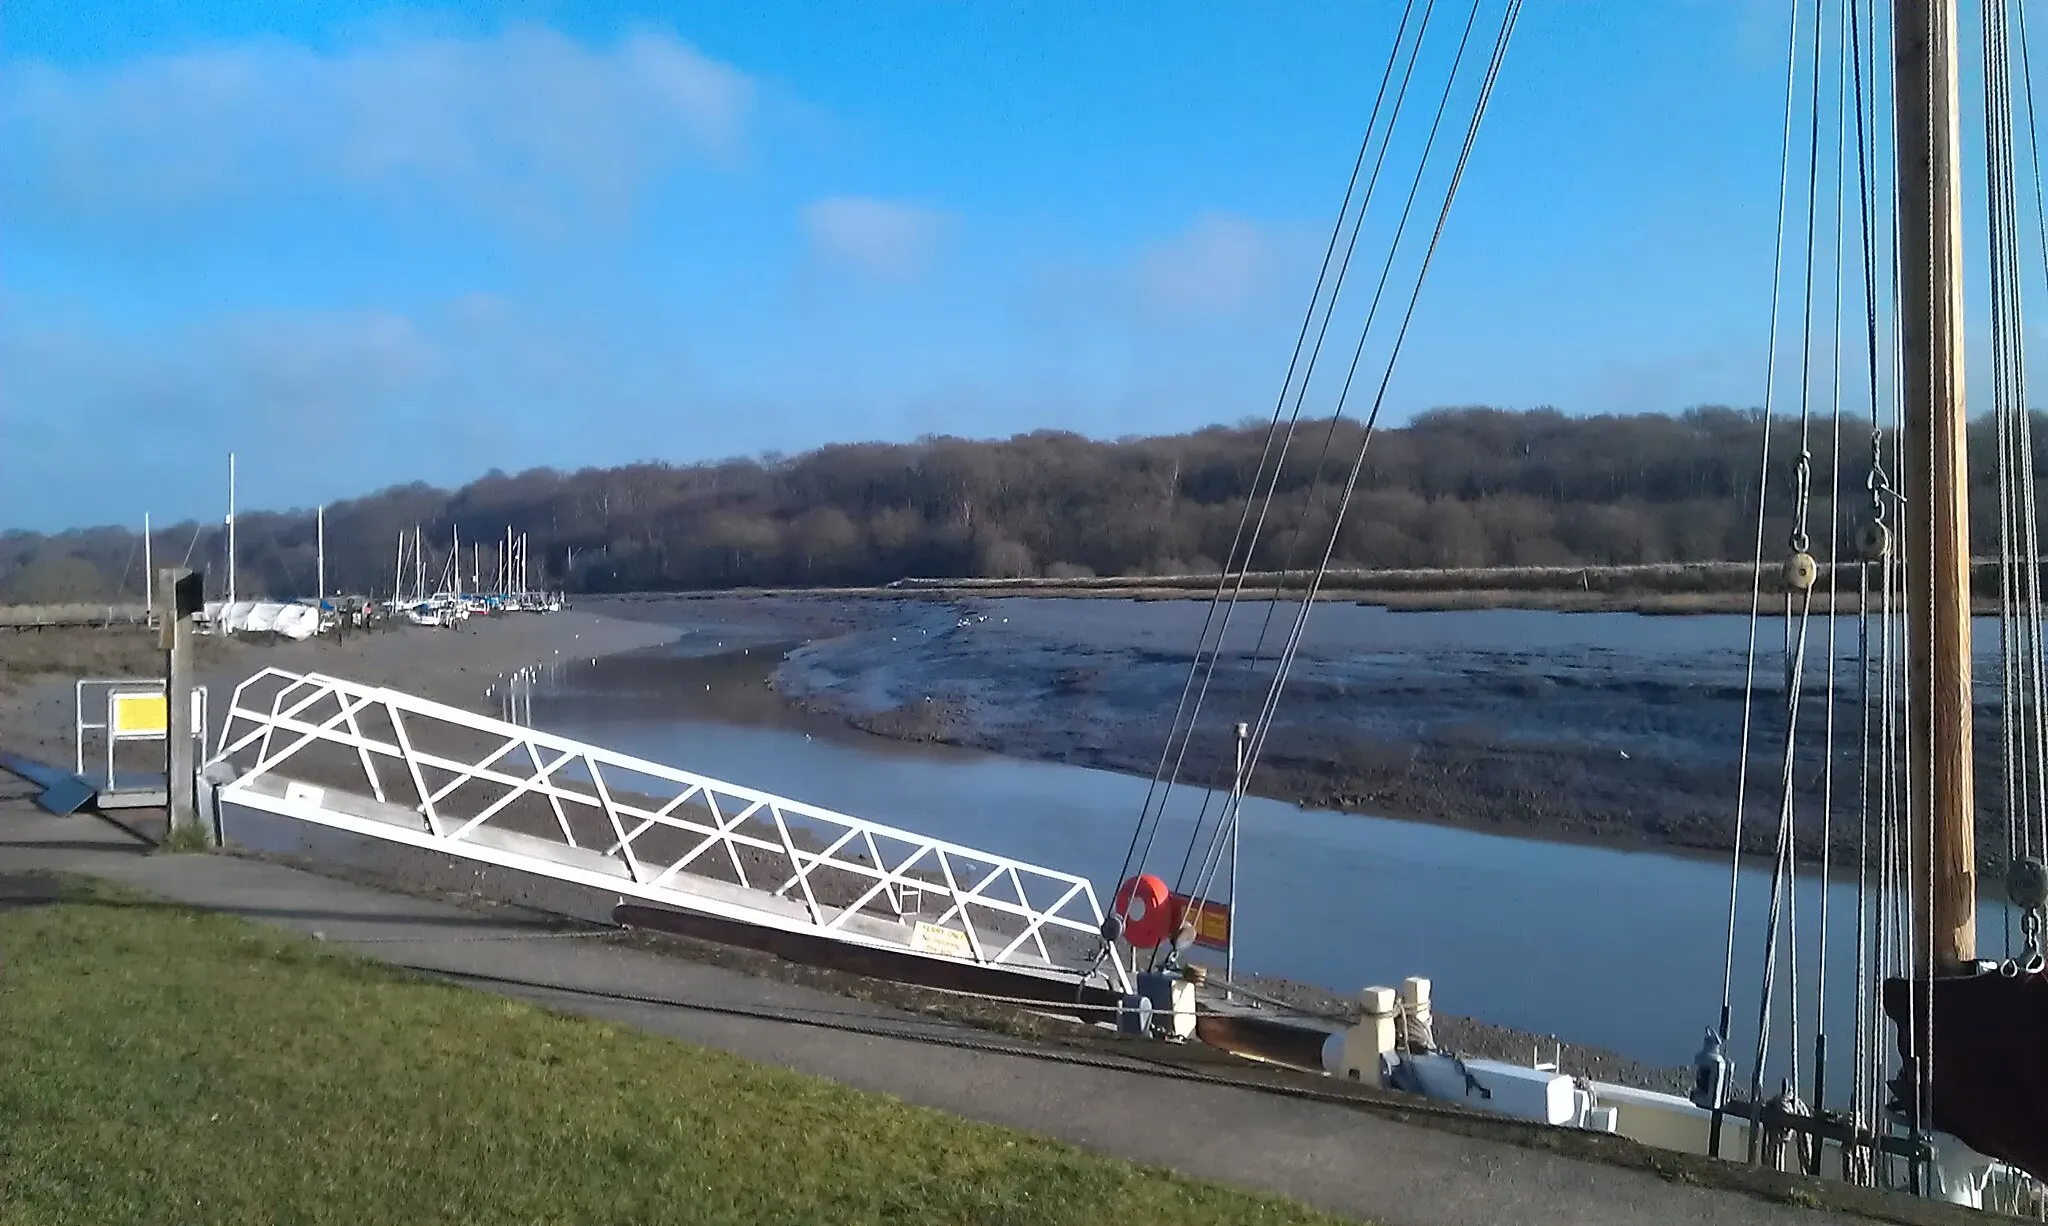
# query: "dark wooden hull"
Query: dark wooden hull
{"points": [[1988, 1073]]}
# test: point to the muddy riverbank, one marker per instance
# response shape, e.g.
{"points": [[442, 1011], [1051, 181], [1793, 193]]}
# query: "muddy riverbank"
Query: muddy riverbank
{"points": [[781, 643], [705, 702], [1617, 729]]}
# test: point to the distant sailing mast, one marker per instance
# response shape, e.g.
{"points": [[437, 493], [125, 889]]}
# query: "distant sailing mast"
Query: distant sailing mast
{"points": [[231, 527]]}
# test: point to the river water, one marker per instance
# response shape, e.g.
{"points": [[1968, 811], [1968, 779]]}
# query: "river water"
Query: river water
{"points": [[1619, 949]]}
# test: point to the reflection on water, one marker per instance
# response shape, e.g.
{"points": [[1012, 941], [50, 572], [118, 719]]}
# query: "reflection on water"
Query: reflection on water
{"points": [[1612, 948]]}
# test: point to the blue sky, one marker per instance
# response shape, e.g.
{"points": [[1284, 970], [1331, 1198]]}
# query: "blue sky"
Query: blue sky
{"points": [[364, 244]]}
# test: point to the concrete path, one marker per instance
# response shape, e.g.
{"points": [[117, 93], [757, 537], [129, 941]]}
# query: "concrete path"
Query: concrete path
{"points": [[1343, 1160]]}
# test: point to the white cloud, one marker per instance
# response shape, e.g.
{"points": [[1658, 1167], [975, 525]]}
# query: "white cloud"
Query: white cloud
{"points": [[884, 239], [522, 122], [1216, 265]]}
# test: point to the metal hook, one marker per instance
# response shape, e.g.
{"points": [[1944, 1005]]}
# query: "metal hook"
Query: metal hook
{"points": [[1879, 483], [1803, 497]]}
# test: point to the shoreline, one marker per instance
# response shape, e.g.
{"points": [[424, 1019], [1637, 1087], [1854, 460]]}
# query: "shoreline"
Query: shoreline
{"points": [[1650, 590], [743, 670], [1082, 705], [449, 666], [454, 666], [1647, 604]]}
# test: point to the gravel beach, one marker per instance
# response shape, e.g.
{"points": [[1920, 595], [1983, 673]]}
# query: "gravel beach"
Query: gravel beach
{"points": [[453, 666]]}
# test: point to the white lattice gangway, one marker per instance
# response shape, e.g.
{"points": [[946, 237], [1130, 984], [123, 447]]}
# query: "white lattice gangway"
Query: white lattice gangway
{"points": [[388, 765]]}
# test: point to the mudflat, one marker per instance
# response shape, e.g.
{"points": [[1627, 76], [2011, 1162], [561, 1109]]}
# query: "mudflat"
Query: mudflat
{"points": [[1612, 728]]}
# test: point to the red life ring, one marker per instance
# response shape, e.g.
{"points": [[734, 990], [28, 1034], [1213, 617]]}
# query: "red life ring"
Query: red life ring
{"points": [[1143, 902]]}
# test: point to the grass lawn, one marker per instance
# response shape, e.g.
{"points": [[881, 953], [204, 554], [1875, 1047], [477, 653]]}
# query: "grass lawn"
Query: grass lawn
{"points": [[160, 1066]]}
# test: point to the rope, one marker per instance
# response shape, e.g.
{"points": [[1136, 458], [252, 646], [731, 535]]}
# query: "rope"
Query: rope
{"points": [[1270, 703], [2025, 740], [2013, 664], [1251, 659], [1782, 884], [1762, 493], [1337, 228], [1861, 1032], [1923, 790], [1895, 690], [1784, 876], [2020, 624], [1788, 833], [1321, 1015], [1818, 1097], [1864, 1030], [2034, 611], [1886, 856], [2039, 827], [1290, 652]]}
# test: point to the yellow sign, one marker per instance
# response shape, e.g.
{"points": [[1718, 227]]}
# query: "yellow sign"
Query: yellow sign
{"points": [[140, 715], [932, 939], [1212, 921]]}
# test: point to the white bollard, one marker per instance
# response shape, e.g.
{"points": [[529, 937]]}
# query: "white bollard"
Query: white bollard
{"points": [[1355, 1053], [1415, 1004]]}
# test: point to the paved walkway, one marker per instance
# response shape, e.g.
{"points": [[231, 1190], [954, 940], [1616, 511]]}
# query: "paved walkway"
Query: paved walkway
{"points": [[1343, 1160]]}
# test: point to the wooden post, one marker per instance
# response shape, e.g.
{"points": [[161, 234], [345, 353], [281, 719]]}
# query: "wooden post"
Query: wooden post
{"points": [[178, 591], [1936, 515]]}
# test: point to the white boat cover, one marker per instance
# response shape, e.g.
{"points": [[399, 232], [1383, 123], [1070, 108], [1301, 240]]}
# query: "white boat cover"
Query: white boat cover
{"points": [[294, 621]]}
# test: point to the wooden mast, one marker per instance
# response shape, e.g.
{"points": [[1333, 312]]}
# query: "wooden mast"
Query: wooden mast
{"points": [[1936, 510]]}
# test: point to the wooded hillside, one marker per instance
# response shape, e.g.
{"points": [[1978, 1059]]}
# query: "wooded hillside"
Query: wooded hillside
{"points": [[1457, 487]]}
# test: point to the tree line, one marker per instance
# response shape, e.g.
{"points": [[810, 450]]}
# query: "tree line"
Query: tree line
{"points": [[1453, 488]]}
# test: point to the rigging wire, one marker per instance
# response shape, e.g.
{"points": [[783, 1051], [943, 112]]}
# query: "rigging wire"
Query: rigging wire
{"points": [[1827, 801], [1337, 229], [1874, 549], [1272, 487], [127, 567], [1201, 676], [1217, 840], [1286, 661], [1886, 856], [2039, 826], [1921, 792], [1997, 131], [1763, 492], [1886, 790], [1894, 689], [1784, 877]]}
